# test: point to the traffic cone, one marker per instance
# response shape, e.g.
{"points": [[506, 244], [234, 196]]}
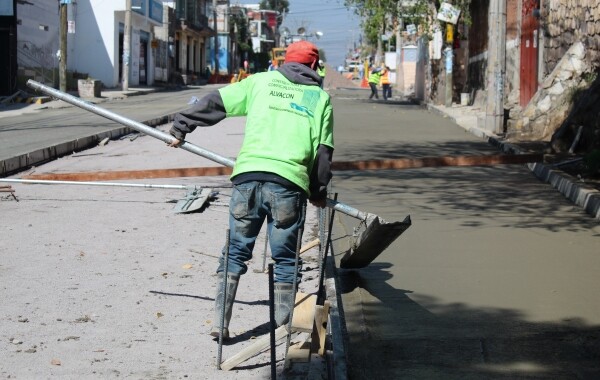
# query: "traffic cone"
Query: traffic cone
{"points": [[364, 83]]}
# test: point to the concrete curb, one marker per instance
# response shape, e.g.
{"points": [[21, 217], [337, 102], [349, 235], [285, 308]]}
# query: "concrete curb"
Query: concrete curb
{"points": [[28, 160], [583, 196]]}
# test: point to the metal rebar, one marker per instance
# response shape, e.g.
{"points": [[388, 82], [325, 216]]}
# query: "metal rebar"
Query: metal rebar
{"points": [[321, 292], [117, 184], [295, 283], [272, 323], [225, 272], [265, 251]]}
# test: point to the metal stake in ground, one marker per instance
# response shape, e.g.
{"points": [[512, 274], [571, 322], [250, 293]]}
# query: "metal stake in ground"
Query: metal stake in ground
{"points": [[321, 292], [225, 272], [295, 283], [272, 323]]}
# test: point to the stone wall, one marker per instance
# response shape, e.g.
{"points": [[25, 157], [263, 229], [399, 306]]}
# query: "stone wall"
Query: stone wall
{"points": [[551, 104], [571, 31], [564, 22]]}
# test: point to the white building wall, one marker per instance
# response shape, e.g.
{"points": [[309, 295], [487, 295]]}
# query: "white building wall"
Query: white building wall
{"points": [[91, 48], [94, 48]]}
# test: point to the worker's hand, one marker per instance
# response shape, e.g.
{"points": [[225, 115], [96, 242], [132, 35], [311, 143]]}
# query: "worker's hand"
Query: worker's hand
{"points": [[175, 143], [321, 203]]}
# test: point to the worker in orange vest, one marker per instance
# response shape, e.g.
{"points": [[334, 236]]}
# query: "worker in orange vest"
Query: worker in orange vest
{"points": [[385, 83]]}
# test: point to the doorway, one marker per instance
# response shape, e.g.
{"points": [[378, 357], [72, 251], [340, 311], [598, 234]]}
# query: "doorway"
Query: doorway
{"points": [[529, 51]]}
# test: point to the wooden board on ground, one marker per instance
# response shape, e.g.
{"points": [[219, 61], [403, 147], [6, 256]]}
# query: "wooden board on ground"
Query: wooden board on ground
{"points": [[304, 312], [259, 345], [299, 352]]}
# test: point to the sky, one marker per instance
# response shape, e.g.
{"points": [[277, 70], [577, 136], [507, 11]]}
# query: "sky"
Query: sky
{"points": [[340, 27]]}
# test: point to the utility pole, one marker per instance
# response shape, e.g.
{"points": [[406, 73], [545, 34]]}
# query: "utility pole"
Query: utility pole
{"points": [[379, 53], [62, 60], [126, 45], [494, 110], [449, 53], [399, 43], [216, 37]]}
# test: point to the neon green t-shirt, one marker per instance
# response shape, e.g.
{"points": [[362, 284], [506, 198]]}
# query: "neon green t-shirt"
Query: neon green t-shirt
{"points": [[285, 124]]}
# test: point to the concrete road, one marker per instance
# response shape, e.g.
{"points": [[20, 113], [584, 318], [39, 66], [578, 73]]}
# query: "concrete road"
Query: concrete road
{"points": [[496, 278]]}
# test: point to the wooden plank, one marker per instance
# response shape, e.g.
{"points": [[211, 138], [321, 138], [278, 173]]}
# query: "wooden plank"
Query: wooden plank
{"points": [[309, 245], [321, 320], [401, 163], [304, 312], [133, 174], [303, 320], [299, 352], [411, 163], [259, 345]]}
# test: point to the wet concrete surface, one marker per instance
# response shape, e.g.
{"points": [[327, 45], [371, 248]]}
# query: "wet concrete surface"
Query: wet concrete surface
{"points": [[497, 276]]}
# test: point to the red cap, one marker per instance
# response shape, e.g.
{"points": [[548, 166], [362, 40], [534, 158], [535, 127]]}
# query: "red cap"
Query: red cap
{"points": [[302, 52]]}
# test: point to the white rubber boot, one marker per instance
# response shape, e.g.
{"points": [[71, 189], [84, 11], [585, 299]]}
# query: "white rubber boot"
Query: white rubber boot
{"points": [[284, 302]]}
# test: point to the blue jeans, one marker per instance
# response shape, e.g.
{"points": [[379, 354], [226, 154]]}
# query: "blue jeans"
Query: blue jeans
{"points": [[252, 202]]}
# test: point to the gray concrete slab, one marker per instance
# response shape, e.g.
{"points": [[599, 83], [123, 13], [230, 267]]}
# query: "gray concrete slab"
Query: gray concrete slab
{"points": [[494, 279]]}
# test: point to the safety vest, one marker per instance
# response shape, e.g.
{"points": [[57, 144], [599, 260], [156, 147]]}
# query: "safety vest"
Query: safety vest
{"points": [[385, 77], [375, 77], [275, 107], [321, 71]]}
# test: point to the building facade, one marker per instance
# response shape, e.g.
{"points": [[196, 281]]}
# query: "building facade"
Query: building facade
{"points": [[170, 41]]}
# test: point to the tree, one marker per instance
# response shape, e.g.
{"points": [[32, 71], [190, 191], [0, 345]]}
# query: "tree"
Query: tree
{"points": [[375, 14]]}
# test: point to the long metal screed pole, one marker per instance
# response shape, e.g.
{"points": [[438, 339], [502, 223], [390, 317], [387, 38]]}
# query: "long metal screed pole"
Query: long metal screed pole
{"points": [[167, 138]]}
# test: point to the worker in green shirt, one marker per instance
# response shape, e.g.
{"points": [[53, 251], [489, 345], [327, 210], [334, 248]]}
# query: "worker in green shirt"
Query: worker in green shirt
{"points": [[284, 160], [373, 81], [321, 70]]}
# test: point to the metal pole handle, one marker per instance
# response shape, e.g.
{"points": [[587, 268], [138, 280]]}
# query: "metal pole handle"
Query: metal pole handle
{"points": [[165, 137]]}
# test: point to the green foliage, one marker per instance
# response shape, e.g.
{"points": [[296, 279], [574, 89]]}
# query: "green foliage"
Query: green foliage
{"points": [[590, 77], [376, 14], [239, 27]]}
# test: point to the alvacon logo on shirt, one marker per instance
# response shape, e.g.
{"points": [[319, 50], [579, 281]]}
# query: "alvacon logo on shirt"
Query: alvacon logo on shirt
{"points": [[281, 94]]}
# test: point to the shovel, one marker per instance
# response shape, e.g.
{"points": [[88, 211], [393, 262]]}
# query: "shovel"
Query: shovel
{"points": [[376, 237], [195, 197]]}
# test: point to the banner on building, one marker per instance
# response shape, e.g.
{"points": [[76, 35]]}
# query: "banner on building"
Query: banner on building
{"points": [[448, 13], [222, 55]]}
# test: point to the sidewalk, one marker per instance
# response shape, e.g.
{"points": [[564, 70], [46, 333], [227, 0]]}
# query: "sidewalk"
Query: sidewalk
{"points": [[34, 103]]}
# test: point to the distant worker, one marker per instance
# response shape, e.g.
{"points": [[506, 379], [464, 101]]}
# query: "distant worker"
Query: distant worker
{"points": [[385, 83], [321, 70], [272, 65], [374, 79]]}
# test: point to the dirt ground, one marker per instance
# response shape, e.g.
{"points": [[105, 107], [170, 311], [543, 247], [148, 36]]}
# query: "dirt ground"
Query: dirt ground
{"points": [[108, 282]]}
